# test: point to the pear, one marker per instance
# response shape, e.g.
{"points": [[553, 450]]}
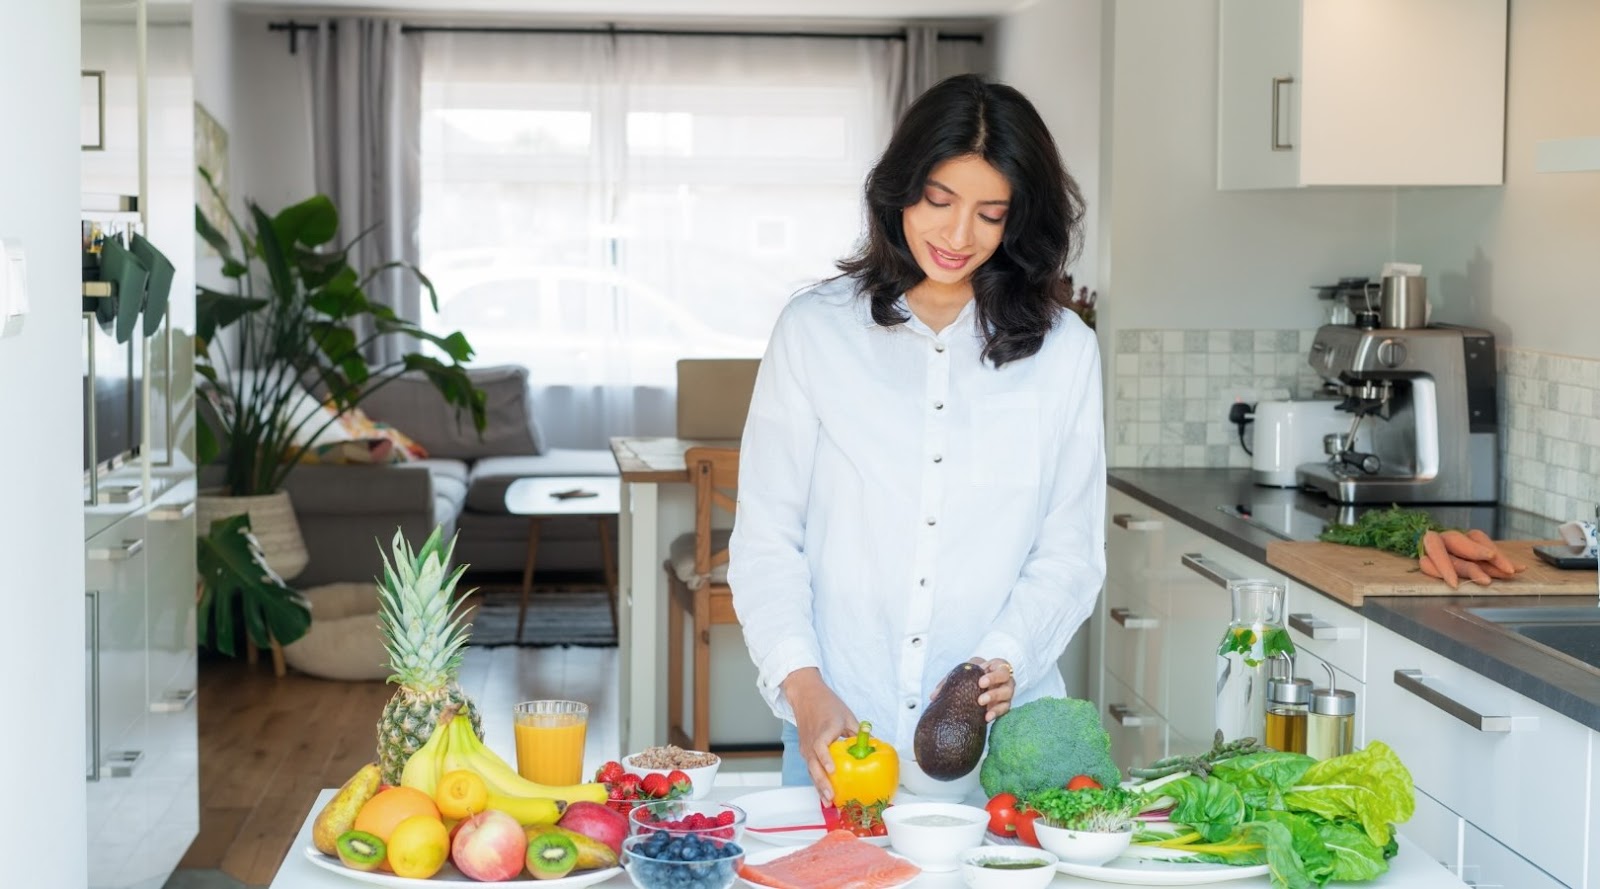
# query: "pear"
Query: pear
{"points": [[339, 815], [592, 854]]}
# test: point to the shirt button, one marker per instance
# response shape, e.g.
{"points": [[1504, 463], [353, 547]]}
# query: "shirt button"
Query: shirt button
{"points": [[911, 703], [922, 582], [932, 521], [938, 347], [938, 405], [916, 642], [938, 458]]}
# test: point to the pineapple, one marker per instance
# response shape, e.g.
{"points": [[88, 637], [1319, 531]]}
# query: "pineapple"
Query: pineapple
{"points": [[421, 617]]}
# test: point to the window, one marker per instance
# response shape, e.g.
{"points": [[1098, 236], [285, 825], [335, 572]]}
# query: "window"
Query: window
{"points": [[596, 209]]}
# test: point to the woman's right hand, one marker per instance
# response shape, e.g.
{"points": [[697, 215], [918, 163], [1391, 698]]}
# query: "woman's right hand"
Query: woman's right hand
{"points": [[820, 718]]}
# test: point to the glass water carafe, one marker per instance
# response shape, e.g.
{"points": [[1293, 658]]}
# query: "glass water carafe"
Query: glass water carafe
{"points": [[1255, 648]]}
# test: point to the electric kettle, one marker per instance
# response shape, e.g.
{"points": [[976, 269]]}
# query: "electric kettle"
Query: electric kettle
{"points": [[1289, 433]]}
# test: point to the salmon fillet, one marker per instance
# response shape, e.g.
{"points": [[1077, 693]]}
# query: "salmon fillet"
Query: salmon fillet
{"points": [[840, 860]]}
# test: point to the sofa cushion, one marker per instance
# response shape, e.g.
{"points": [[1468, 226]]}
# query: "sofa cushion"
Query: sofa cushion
{"points": [[412, 404], [491, 476]]}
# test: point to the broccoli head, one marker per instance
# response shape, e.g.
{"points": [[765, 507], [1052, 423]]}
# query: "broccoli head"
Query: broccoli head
{"points": [[1044, 744]]}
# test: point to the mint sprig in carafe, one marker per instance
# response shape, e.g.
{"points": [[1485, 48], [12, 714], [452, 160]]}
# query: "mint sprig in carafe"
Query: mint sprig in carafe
{"points": [[1255, 648]]}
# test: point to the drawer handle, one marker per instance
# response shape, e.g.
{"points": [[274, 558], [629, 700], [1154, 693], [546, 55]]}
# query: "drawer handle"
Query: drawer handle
{"points": [[1129, 523], [1127, 717], [1128, 620], [1210, 570], [1412, 681], [1278, 83], [1319, 629], [122, 553], [175, 512]]}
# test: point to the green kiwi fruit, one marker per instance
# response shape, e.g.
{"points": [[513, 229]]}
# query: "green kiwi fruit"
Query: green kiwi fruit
{"points": [[551, 856], [360, 850]]}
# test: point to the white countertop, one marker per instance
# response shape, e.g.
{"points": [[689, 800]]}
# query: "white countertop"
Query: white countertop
{"points": [[1411, 869]]}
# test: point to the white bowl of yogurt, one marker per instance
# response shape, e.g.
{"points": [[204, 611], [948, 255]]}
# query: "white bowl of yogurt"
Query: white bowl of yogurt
{"points": [[935, 835]]}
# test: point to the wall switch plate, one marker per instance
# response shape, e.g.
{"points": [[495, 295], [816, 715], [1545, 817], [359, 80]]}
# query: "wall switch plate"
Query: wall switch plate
{"points": [[13, 288]]}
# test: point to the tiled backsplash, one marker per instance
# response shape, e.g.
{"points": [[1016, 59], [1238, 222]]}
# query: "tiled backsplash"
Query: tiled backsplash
{"points": [[1171, 390], [1550, 439]]}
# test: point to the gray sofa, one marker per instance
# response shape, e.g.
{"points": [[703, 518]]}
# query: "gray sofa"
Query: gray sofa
{"points": [[346, 512]]}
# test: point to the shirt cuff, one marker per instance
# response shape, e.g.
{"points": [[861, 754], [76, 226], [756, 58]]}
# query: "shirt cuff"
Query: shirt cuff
{"points": [[1005, 647], [785, 658]]}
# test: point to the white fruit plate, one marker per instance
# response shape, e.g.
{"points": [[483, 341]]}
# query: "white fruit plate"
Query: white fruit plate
{"points": [[766, 856], [1146, 868], [772, 815], [453, 876]]}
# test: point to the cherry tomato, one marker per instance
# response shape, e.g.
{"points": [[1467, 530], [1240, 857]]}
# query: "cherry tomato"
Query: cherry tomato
{"points": [[1002, 809], [1083, 781], [1024, 826]]}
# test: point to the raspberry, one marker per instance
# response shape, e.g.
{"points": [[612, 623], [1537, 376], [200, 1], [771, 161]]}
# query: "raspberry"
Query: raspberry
{"points": [[724, 818]]}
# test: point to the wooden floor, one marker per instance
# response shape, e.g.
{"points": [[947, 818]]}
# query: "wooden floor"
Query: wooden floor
{"points": [[268, 745]]}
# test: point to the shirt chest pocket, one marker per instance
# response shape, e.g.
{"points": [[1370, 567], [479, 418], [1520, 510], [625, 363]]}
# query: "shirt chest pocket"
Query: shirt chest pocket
{"points": [[1004, 438]]}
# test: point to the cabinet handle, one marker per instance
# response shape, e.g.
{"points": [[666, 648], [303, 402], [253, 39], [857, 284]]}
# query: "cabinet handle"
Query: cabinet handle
{"points": [[1129, 523], [123, 553], [1210, 570], [91, 599], [1319, 629], [91, 419], [175, 512], [1127, 717], [1412, 681], [1128, 620], [1278, 83]]}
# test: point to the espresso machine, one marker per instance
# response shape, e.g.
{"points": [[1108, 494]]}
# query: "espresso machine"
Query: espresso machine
{"points": [[1424, 425]]}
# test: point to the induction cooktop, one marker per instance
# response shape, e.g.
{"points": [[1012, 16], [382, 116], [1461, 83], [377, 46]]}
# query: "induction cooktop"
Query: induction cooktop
{"points": [[1306, 515]]}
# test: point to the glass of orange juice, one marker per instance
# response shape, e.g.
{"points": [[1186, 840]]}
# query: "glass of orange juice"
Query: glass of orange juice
{"points": [[550, 740]]}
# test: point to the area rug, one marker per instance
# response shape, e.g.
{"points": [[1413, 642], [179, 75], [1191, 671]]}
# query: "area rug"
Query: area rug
{"points": [[576, 618]]}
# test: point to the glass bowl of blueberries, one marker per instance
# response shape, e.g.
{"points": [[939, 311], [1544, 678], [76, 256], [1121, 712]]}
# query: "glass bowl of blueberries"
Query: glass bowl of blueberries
{"points": [[669, 860]]}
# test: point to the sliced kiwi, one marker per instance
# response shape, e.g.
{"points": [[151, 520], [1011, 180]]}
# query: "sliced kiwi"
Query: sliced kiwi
{"points": [[360, 850], [551, 856]]}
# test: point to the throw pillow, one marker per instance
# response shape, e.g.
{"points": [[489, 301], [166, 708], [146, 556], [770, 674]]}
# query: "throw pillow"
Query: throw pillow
{"points": [[412, 403], [354, 451], [358, 425]]}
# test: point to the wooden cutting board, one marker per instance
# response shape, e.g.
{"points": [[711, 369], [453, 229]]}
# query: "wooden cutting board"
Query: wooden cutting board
{"points": [[1351, 573]]}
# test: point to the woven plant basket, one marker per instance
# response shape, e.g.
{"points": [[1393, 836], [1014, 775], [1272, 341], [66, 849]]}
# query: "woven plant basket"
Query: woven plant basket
{"points": [[272, 522]]}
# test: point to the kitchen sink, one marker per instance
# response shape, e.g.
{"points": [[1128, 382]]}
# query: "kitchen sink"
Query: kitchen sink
{"points": [[1572, 634]]}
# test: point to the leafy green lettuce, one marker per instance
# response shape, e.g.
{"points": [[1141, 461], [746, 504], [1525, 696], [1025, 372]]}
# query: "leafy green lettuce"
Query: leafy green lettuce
{"points": [[1370, 785]]}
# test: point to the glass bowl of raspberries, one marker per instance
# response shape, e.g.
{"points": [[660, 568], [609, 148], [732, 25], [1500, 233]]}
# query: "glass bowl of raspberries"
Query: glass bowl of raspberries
{"points": [[717, 821]]}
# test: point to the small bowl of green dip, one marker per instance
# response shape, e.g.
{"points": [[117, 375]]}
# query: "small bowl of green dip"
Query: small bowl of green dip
{"points": [[1008, 867]]}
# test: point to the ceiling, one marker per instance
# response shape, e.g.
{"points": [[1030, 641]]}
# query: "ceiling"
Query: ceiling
{"points": [[655, 9]]}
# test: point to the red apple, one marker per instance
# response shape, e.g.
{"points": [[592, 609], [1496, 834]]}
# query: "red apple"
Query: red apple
{"points": [[597, 822], [490, 846]]}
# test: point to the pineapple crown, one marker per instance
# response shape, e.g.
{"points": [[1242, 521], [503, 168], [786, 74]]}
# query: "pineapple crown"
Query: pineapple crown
{"points": [[421, 614]]}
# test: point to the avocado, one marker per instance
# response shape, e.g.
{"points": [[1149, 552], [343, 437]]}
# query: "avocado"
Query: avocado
{"points": [[950, 734]]}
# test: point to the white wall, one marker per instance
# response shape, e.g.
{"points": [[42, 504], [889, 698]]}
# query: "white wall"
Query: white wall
{"points": [[1051, 52], [270, 139], [41, 524], [213, 54], [1523, 259], [1182, 254]]}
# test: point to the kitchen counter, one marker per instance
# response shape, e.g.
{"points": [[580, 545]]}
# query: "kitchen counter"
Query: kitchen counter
{"points": [[1412, 868], [1193, 497]]}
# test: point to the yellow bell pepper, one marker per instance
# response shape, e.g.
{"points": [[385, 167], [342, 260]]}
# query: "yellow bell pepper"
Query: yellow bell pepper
{"points": [[865, 769]]}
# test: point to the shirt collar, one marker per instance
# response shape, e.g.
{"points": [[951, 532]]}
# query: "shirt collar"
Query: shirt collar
{"points": [[965, 316]]}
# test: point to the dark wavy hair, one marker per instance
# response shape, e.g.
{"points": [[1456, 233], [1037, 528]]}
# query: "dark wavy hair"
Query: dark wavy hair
{"points": [[1020, 290]]}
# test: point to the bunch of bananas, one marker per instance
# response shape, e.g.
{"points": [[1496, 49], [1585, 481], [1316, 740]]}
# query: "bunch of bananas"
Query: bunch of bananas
{"points": [[453, 745]]}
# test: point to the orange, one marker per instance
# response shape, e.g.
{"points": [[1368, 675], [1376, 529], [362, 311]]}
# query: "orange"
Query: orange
{"points": [[384, 812], [461, 793], [418, 847]]}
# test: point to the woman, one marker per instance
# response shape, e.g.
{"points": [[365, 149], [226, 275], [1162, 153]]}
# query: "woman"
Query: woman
{"points": [[923, 469]]}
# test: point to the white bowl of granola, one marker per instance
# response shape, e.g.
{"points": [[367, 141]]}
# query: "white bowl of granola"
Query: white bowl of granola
{"points": [[700, 767]]}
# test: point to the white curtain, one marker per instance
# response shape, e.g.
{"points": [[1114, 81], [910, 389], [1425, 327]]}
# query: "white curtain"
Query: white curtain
{"points": [[597, 207], [365, 82]]}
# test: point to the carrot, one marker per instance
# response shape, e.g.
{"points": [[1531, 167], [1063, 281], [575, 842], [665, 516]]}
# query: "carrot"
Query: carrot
{"points": [[1471, 571], [1499, 558], [1464, 547], [1433, 547], [1494, 571], [1426, 564]]}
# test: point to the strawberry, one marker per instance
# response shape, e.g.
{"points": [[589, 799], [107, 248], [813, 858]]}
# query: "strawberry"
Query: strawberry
{"points": [[655, 785], [609, 773], [681, 786], [627, 787]]}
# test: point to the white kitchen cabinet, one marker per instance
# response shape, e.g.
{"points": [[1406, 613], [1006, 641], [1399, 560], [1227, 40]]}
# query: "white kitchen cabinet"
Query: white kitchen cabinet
{"points": [[1455, 728], [1437, 831], [1129, 616], [1138, 733], [1329, 630], [1360, 92], [1486, 864]]}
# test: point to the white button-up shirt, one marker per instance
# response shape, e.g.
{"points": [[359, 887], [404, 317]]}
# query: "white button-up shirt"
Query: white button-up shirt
{"points": [[904, 505]]}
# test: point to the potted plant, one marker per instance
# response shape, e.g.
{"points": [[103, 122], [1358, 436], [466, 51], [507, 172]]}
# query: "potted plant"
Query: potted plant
{"points": [[299, 319]]}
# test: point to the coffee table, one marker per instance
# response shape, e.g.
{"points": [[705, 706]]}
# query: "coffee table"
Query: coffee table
{"points": [[579, 496]]}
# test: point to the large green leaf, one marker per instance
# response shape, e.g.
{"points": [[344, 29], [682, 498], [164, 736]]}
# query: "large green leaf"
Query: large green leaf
{"points": [[1262, 778], [217, 240], [454, 345], [453, 383], [1353, 857], [1371, 786], [271, 248], [1212, 808], [214, 310], [234, 574], [312, 222]]}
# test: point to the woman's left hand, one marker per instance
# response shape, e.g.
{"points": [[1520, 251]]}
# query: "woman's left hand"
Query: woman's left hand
{"points": [[997, 685]]}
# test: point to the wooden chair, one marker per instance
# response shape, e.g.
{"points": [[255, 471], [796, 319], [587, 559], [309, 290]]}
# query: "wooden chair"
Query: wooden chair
{"points": [[697, 574]]}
